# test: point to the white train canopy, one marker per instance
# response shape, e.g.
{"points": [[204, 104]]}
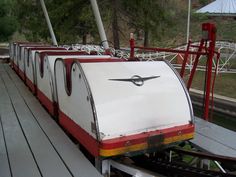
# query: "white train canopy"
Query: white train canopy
{"points": [[220, 8]]}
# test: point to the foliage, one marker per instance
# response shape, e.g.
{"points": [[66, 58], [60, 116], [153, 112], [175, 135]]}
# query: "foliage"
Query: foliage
{"points": [[8, 23], [30, 18], [157, 23], [8, 27], [149, 16], [72, 20], [204, 2]]}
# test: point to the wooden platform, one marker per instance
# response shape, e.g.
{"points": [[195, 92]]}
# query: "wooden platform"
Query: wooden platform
{"points": [[31, 143], [214, 139]]}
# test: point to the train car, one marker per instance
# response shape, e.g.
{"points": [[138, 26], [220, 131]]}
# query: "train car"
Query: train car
{"points": [[21, 57], [116, 107], [25, 57], [11, 51], [13, 54], [17, 53], [30, 64], [45, 84]]}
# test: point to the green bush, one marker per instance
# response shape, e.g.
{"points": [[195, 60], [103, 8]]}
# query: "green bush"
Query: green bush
{"points": [[8, 26], [8, 23]]}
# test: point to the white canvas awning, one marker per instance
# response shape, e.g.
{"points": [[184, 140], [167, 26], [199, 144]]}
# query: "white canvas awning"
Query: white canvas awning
{"points": [[220, 7]]}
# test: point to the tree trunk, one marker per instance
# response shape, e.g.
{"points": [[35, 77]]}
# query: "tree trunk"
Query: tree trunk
{"points": [[146, 31], [84, 39], [115, 28], [146, 38]]}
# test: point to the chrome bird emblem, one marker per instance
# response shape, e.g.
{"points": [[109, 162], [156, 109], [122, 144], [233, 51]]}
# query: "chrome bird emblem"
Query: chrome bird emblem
{"points": [[136, 80]]}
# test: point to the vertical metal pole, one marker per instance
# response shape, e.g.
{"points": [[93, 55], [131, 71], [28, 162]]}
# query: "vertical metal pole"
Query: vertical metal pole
{"points": [[132, 44], [54, 40], [186, 54], [195, 64], [188, 22], [212, 39], [99, 24]]}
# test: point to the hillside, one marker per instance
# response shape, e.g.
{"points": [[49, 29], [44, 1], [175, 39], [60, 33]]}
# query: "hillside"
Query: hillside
{"points": [[163, 22], [175, 33]]}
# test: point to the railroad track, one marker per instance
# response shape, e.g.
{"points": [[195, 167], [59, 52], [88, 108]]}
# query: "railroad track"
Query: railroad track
{"points": [[168, 167], [177, 170]]}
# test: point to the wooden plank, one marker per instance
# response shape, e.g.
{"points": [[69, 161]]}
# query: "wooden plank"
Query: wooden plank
{"points": [[4, 163], [20, 157], [48, 161], [214, 139], [211, 146], [216, 132], [74, 159]]}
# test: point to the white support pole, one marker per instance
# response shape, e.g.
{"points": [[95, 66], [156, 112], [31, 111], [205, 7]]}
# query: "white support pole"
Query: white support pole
{"points": [[219, 166], [100, 26], [54, 40], [188, 22]]}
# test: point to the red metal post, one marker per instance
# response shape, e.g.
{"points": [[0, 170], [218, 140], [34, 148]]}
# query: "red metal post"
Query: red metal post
{"points": [[185, 60], [169, 50], [195, 64], [107, 52], [210, 30], [132, 44]]}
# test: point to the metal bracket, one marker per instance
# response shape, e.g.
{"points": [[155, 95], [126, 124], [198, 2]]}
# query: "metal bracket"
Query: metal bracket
{"points": [[129, 169]]}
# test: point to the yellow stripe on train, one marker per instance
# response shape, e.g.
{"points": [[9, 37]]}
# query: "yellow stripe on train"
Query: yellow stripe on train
{"points": [[142, 146]]}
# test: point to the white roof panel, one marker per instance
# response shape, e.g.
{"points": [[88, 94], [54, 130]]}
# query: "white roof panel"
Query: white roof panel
{"points": [[220, 7]]}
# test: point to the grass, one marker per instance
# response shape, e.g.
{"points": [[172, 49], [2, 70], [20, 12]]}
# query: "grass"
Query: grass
{"points": [[225, 83], [175, 34]]}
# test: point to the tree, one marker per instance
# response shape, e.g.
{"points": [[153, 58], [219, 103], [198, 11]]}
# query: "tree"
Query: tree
{"points": [[8, 23], [146, 15], [71, 20], [30, 17], [111, 16], [115, 26]]}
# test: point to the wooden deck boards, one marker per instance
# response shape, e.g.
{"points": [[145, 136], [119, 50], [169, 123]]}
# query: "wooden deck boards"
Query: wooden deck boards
{"points": [[214, 139], [20, 157], [4, 163], [35, 144]]}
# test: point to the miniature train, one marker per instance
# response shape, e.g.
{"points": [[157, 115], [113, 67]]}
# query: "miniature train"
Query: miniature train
{"points": [[112, 106]]}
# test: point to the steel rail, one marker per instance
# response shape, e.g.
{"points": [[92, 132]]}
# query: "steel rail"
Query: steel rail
{"points": [[176, 169], [205, 155]]}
